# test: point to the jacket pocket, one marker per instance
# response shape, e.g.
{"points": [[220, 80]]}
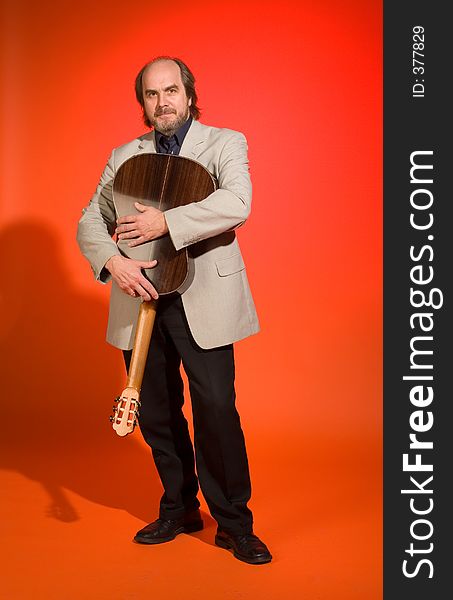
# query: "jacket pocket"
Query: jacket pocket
{"points": [[230, 265]]}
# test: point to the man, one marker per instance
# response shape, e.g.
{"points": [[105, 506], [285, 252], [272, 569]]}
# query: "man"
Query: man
{"points": [[198, 326]]}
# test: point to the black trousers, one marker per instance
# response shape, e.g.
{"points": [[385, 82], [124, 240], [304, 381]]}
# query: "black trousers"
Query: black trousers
{"points": [[220, 452]]}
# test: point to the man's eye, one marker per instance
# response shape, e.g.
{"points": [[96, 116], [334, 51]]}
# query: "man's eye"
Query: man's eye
{"points": [[172, 91]]}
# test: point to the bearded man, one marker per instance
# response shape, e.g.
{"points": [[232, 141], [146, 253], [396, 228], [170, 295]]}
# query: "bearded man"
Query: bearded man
{"points": [[197, 327]]}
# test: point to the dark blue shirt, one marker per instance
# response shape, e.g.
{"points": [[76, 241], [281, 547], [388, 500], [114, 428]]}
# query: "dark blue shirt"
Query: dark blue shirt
{"points": [[172, 144]]}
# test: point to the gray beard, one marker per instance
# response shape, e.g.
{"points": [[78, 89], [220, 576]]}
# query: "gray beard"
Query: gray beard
{"points": [[170, 128]]}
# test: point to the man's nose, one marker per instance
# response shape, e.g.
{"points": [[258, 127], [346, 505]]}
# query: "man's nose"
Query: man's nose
{"points": [[161, 100]]}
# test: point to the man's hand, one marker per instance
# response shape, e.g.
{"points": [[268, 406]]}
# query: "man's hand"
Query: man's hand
{"points": [[146, 226], [127, 274]]}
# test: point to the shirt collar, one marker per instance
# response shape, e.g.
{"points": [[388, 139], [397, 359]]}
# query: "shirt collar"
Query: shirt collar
{"points": [[179, 134]]}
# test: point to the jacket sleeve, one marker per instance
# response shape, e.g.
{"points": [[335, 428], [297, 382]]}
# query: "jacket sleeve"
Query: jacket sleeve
{"points": [[97, 225], [223, 210]]}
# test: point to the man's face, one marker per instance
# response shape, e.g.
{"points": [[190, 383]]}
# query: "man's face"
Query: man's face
{"points": [[166, 102]]}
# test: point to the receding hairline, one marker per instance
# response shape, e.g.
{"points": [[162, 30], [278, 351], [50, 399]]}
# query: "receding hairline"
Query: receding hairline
{"points": [[159, 60], [176, 84]]}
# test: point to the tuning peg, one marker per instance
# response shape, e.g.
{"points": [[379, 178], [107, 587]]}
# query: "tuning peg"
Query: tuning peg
{"points": [[118, 398], [111, 419]]}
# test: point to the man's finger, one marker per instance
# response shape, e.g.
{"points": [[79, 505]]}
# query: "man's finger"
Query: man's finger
{"points": [[128, 235], [146, 264], [140, 207], [126, 227], [137, 241], [149, 288], [143, 293], [126, 219]]}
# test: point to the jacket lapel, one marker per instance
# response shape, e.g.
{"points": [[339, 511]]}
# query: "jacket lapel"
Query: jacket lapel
{"points": [[194, 141], [147, 143]]}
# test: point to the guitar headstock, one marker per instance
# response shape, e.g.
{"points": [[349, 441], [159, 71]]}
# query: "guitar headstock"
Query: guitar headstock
{"points": [[125, 411]]}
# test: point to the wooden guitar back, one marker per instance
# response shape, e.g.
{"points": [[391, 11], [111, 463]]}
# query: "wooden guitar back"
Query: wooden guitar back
{"points": [[163, 181]]}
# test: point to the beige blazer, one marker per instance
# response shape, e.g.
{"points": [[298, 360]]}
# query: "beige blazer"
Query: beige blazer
{"points": [[217, 301]]}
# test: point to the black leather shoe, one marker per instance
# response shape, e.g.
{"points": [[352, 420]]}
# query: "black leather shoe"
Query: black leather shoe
{"points": [[247, 547], [165, 530]]}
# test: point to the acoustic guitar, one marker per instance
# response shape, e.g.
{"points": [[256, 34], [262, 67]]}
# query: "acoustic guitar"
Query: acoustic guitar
{"points": [[163, 181]]}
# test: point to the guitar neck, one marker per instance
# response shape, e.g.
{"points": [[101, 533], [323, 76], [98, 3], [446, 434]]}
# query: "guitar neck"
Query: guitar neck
{"points": [[145, 324]]}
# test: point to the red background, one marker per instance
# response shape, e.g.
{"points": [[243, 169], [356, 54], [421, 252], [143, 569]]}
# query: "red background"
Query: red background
{"points": [[303, 81]]}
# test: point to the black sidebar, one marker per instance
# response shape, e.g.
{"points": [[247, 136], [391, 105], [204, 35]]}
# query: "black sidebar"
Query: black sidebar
{"points": [[418, 269]]}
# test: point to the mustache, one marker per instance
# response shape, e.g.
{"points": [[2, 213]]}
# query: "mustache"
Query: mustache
{"points": [[164, 111]]}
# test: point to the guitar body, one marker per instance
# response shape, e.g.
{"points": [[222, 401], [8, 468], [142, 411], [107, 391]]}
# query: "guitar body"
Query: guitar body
{"points": [[163, 181]]}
